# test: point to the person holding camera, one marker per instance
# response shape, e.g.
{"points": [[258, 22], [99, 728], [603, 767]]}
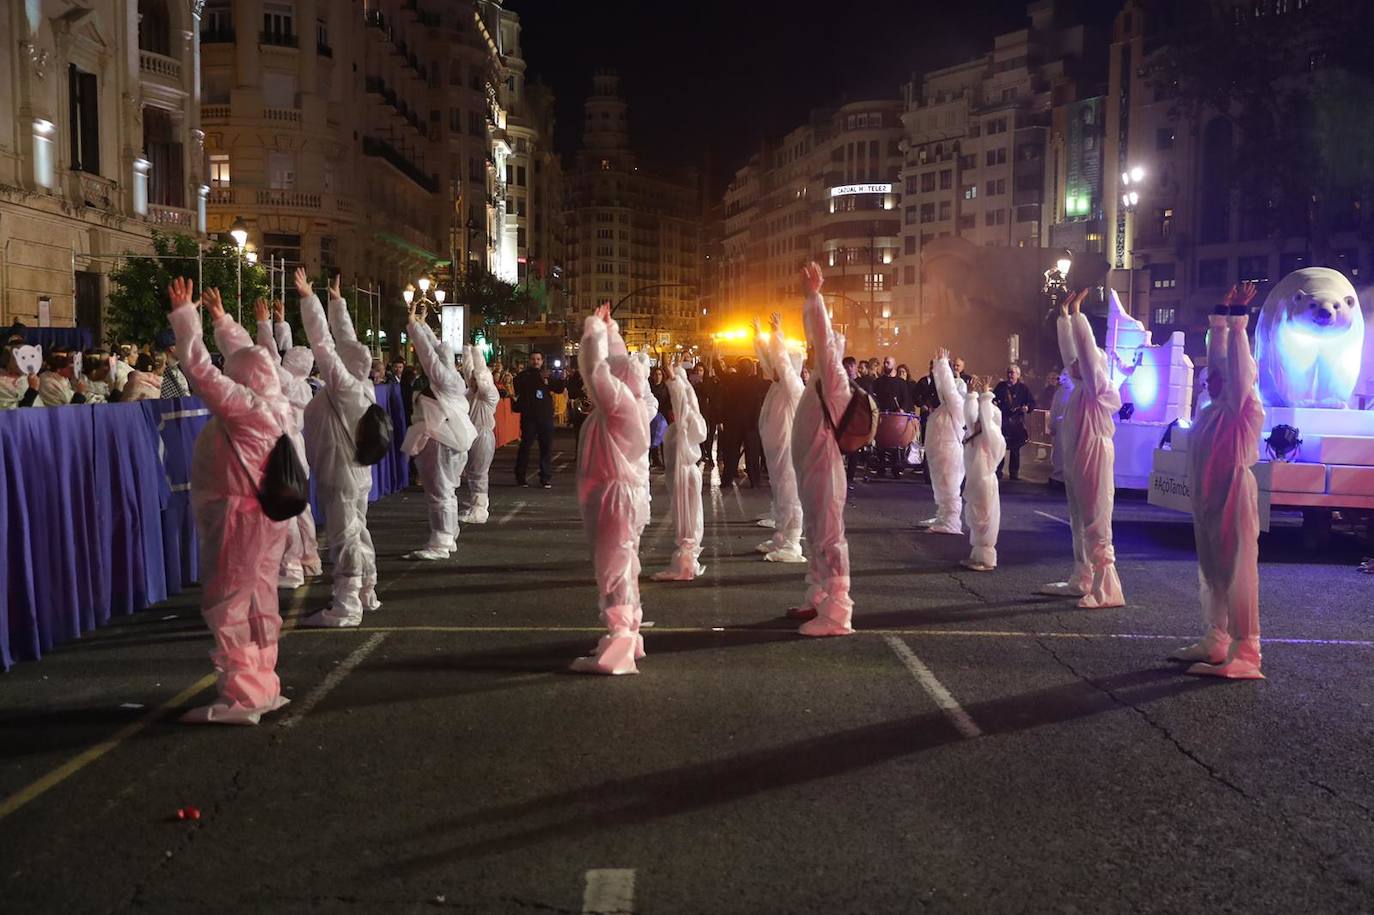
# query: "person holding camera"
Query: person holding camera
{"points": [[534, 390]]}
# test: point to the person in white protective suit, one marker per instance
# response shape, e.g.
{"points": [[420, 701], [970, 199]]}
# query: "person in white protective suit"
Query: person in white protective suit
{"points": [[1059, 405], [984, 450], [301, 558], [483, 398], [820, 471], [439, 437], [1089, 456], [681, 452], [945, 448], [341, 483], [775, 428], [1223, 445], [240, 547], [612, 480]]}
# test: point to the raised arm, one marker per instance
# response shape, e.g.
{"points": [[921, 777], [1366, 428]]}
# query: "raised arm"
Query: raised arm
{"points": [[826, 345], [442, 374], [1092, 364], [1241, 371], [332, 370], [686, 409], [945, 385], [780, 365], [604, 390], [225, 398], [991, 419], [763, 351], [230, 337]]}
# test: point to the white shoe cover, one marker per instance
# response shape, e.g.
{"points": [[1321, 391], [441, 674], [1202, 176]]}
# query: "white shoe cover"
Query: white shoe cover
{"points": [[821, 627], [370, 601], [291, 582], [765, 547], [312, 571], [1212, 648], [975, 566], [675, 575], [328, 619], [784, 556], [1234, 669], [225, 713], [766, 522], [474, 516], [942, 529], [1105, 590], [615, 656], [929, 522], [1059, 589], [427, 553]]}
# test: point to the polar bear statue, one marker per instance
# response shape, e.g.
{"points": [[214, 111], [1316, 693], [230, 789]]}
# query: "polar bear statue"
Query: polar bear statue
{"points": [[1310, 340]]}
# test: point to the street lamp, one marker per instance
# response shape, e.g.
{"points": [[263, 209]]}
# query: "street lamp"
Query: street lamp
{"points": [[239, 233], [1131, 181]]}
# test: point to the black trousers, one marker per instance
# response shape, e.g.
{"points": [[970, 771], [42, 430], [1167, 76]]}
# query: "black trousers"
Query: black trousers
{"points": [[531, 428], [737, 441], [708, 447], [1016, 437]]}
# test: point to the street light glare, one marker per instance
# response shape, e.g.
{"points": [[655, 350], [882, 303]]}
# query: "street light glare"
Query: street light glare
{"points": [[408, 294], [1064, 265], [1137, 174], [424, 284], [440, 295], [239, 232]]}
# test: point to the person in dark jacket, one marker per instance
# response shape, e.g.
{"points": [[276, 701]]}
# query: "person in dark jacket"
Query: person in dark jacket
{"points": [[741, 395], [892, 395], [534, 391], [1015, 401]]}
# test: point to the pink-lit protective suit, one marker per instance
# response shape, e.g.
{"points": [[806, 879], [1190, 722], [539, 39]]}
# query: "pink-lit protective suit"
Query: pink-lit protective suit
{"points": [[302, 555], [681, 452], [945, 450], [775, 429], [612, 483], [1089, 467], [439, 437], [341, 483], [984, 449], [820, 474], [1059, 405], [483, 398], [1223, 444], [240, 547]]}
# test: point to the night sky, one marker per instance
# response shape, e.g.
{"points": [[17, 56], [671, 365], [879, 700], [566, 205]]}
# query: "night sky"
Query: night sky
{"points": [[707, 79]]}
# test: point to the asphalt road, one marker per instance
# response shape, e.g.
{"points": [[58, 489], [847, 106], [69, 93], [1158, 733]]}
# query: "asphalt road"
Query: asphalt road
{"points": [[974, 748]]}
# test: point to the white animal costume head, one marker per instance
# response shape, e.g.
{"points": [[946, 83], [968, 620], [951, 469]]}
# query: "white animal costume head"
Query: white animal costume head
{"points": [[1310, 340]]}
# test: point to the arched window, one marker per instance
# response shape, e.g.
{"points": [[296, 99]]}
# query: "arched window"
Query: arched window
{"points": [[154, 27]]}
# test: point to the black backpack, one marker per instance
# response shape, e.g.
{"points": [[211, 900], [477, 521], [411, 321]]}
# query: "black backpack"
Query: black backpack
{"points": [[372, 436], [284, 491], [859, 422]]}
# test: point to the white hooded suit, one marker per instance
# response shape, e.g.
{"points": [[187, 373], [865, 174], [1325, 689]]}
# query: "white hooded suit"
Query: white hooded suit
{"points": [[612, 488], [341, 483], [820, 476], [1089, 467], [984, 449], [1223, 444], [240, 547], [945, 450], [681, 452], [775, 429], [1059, 405], [302, 555], [439, 438], [483, 398]]}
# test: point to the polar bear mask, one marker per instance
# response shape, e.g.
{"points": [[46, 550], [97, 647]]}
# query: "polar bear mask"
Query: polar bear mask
{"points": [[1310, 340]]}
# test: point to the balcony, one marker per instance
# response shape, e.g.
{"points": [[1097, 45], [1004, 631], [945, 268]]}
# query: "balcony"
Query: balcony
{"points": [[220, 196], [217, 36], [282, 115], [96, 191], [373, 146], [214, 113], [295, 200], [172, 217], [278, 39], [159, 65]]}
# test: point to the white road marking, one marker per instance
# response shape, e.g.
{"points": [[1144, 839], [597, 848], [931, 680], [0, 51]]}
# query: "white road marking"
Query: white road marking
{"points": [[1053, 518], [610, 891], [301, 709], [510, 514], [961, 719]]}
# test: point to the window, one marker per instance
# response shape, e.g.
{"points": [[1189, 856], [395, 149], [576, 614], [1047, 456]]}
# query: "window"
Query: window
{"points": [[968, 221], [216, 22], [278, 23], [455, 120], [968, 162], [475, 125], [911, 184], [510, 205], [520, 237], [995, 218], [909, 244], [909, 274], [1253, 269], [329, 252], [281, 171], [946, 210], [970, 192], [162, 147], [219, 170], [84, 105], [520, 176], [946, 179], [995, 157], [510, 173], [1162, 276], [875, 282], [1211, 273], [927, 182], [154, 27], [1164, 138], [1165, 315], [322, 38], [927, 212], [1164, 223], [997, 188], [277, 245]]}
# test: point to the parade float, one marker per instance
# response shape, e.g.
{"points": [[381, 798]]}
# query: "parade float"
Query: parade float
{"points": [[1316, 382]]}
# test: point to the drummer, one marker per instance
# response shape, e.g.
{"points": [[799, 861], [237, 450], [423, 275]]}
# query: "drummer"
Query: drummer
{"points": [[893, 395]]}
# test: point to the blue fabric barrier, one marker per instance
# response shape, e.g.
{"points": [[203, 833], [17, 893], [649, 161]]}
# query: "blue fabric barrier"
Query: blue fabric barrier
{"points": [[95, 504], [50, 338]]}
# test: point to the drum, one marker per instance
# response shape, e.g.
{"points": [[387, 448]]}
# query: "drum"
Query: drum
{"points": [[897, 430]]}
